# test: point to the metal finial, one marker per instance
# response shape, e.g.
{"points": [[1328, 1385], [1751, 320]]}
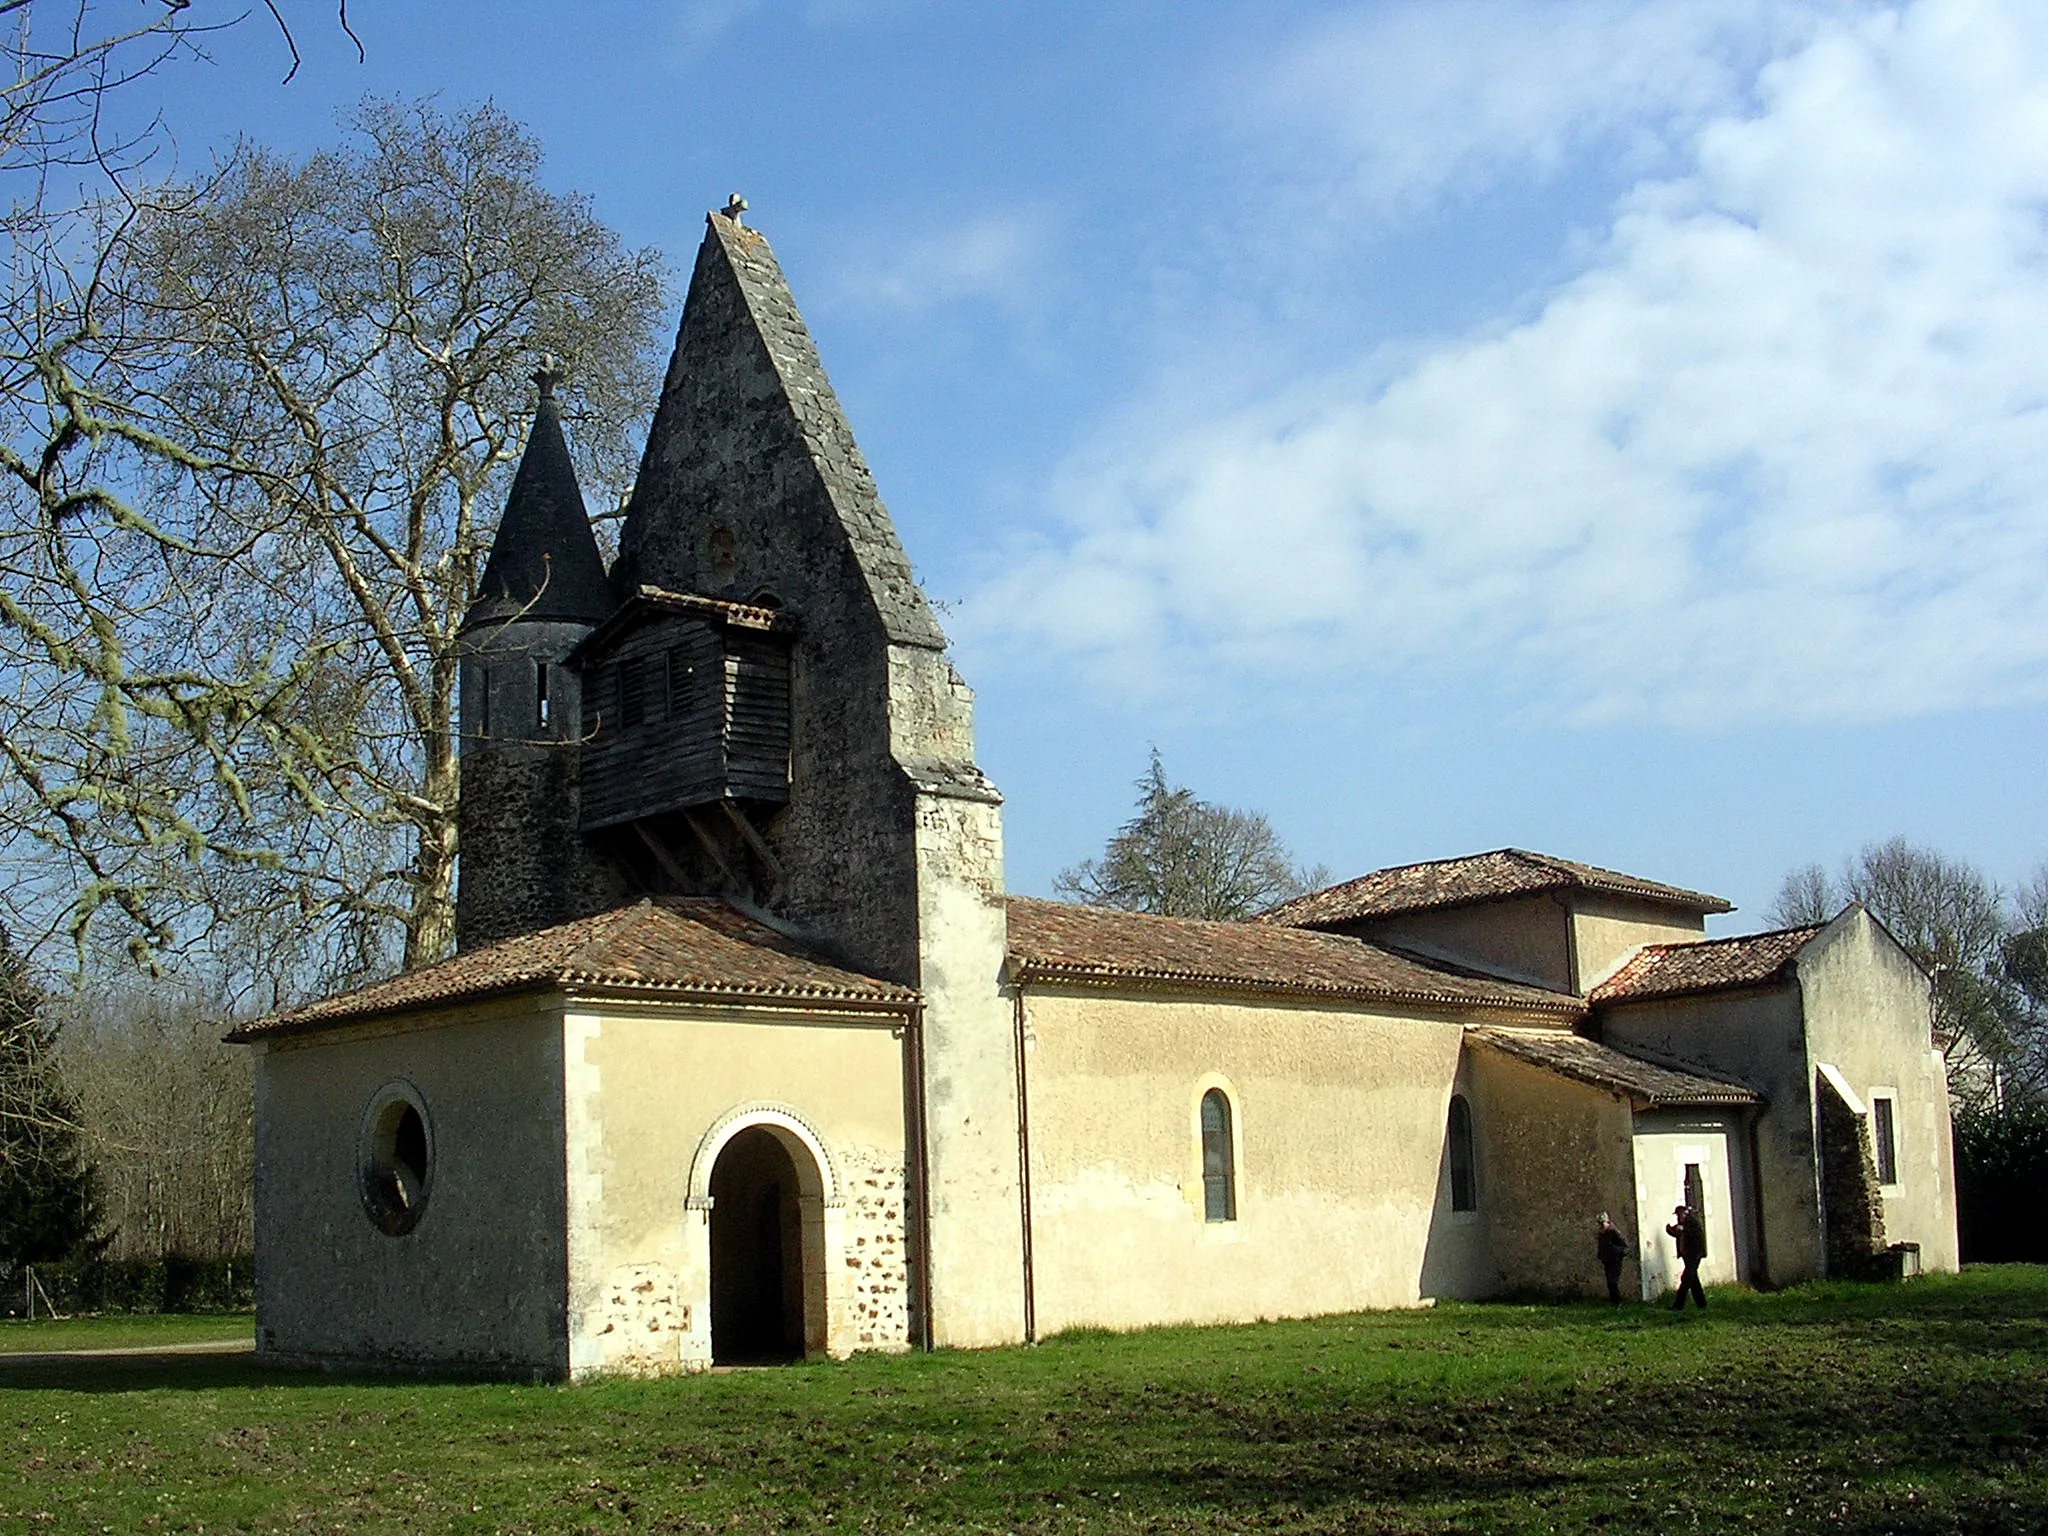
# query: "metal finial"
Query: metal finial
{"points": [[734, 207], [549, 374]]}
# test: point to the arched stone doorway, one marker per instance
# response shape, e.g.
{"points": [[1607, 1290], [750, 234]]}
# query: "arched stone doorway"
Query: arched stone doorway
{"points": [[767, 1258]]}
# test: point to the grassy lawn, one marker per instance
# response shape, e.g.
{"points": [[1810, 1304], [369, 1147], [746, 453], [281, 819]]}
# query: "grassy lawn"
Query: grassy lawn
{"points": [[1916, 1409], [138, 1332]]}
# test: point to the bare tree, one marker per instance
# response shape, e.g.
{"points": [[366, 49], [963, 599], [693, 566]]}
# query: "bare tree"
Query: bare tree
{"points": [[1808, 895], [166, 1111], [1961, 929], [325, 363], [1183, 857], [80, 711]]}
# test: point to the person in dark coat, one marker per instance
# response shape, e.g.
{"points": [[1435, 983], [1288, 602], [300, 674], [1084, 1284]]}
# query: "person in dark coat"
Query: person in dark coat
{"points": [[1691, 1233], [1612, 1248]]}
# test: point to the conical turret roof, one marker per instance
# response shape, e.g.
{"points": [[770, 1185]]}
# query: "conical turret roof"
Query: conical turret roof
{"points": [[544, 562]]}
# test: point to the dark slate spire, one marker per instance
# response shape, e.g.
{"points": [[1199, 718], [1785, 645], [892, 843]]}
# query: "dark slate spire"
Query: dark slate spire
{"points": [[544, 563], [750, 441]]}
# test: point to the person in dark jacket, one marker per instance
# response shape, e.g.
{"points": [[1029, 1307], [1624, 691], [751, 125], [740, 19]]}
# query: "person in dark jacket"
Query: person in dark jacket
{"points": [[1691, 1233], [1612, 1248]]}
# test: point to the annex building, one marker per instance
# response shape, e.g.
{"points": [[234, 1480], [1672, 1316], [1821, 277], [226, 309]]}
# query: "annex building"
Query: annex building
{"points": [[747, 1054]]}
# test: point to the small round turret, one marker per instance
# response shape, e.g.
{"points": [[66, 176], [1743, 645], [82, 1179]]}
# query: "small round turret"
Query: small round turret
{"points": [[543, 590]]}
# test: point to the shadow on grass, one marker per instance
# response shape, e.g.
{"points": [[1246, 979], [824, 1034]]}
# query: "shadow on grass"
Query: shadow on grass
{"points": [[172, 1371]]}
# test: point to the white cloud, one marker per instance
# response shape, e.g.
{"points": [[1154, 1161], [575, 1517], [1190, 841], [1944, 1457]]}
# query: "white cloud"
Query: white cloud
{"points": [[989, 256], [1781, 447], [700, 23], [1407, 101]]}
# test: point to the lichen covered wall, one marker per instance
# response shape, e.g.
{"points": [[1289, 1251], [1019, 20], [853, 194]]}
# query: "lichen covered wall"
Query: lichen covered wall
{"points": [[478, 1282], [1339, 1120]]}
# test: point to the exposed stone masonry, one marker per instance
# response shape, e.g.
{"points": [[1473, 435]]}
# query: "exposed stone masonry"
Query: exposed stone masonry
{"points": [[875, 1263]]}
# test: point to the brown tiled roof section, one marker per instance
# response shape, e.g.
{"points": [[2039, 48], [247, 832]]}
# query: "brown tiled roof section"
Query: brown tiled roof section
{"points": [[1648, 1083], [1476, 877], [670, 947], [1054, 941], [1710, 965]]}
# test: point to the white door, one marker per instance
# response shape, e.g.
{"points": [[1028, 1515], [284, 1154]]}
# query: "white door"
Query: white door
{"points": [[1690, 1165]]}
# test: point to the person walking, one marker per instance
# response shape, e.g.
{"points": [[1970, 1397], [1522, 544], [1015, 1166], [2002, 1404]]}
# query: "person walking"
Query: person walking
{"points": [[1613, 1249], [1691, 1234]]}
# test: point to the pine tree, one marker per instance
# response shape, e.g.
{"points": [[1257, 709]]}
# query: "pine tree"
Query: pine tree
{"points": [[49, 1194], [1184, 857]]}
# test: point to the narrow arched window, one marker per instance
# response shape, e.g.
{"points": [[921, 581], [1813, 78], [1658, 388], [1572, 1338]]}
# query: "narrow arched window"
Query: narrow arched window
{"points": [[1219, 1168], [1464, 1187]]}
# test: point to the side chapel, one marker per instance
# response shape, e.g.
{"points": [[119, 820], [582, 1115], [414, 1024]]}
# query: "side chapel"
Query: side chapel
{"points": [[745, 1054]]}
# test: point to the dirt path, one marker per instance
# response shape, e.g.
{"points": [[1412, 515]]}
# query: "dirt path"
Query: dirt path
{"points": [[200, 1347]]}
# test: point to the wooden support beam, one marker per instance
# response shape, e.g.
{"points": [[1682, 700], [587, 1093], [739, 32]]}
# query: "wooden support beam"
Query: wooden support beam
{"points": [[709, 843], [755, 841], [667, 860]]}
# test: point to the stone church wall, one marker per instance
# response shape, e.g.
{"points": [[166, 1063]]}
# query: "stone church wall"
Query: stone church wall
{"points": [[1524, 938], [1552, 1155], [1757, 1036], [1339, 1118], [1867, 1016], [1608, 930], [478, 1281], [651, 1096]]}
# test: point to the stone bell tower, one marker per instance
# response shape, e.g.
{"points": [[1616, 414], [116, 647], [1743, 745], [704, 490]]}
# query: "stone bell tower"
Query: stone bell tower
{"points": [[888, 850], [523, 866]]}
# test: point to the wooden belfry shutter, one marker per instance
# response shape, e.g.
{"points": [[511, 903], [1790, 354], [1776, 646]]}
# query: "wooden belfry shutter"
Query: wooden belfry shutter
{"points": [[1219, 1193]]}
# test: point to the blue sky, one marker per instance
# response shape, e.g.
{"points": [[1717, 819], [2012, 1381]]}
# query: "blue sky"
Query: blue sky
{"points": [[1615, 429]]}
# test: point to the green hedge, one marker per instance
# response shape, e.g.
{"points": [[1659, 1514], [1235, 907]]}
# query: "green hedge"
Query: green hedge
{"points": [[2002, 1184], [170, 1284]]}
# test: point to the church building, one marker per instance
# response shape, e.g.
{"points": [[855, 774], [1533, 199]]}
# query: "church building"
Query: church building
{"points": [[746, 1054]]}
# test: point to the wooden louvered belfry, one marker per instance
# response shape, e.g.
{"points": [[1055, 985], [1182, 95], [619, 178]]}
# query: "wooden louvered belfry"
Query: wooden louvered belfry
{"points": [[685, 705]]}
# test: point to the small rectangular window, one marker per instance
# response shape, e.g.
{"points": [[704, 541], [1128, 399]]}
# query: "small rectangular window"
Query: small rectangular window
{"points": [[483, 701], [632, 692], [1884, 1134], [541, 703]]}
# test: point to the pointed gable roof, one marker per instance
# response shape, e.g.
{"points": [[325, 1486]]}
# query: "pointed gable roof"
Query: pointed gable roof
{"points": [[544, 562], [1477, 877], [748, 420]]}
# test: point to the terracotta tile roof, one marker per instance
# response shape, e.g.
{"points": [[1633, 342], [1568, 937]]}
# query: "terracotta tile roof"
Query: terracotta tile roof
{"points": [[1649, 1084], [671, 947], [1709, 965], [1476, 877], [1055, 941]]}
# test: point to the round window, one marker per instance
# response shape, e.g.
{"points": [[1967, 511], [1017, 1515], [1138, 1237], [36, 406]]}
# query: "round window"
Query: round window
{"points": [[396, 1161]]}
